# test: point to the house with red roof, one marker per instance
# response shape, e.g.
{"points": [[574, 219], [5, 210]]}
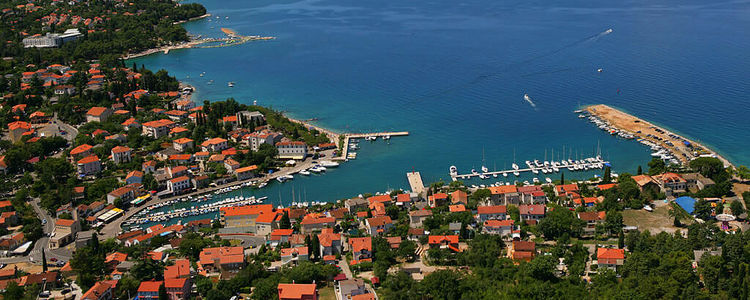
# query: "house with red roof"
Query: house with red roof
{"points": [[81, 151], [532, 194], [64, 232], [89, 165], [522, 251], [592, 218], [361, 249], [180, 269], [330, 242], [437, 199], [563, 190], [100, 291], [505, 194], [17, 129], [495, 212], [131, 123], [459, 196], [499, 227], [378, 225], [405, 200], [610, 258], [182, 144], [217, 259], [134, 176], [531, 212], [157, 129], [444, 242], [245, 173], [456, 208], [292, 150], [149, 290], [121, 154], [214, 145], [671, 183], [279, 236], [98, 114], [258, 219], [125, 193], [312, 224], [178, 185], [296, 291], [177, 288]]}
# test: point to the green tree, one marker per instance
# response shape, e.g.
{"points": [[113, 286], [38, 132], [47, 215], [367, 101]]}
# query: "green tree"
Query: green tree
{"points": [[640, 171], [285, 223], [702, 209], [613, 222], [737, 208], [607, 175], [656, 166]]}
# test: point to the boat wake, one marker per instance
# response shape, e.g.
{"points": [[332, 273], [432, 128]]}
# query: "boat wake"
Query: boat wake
{"points": [[528, 99]]}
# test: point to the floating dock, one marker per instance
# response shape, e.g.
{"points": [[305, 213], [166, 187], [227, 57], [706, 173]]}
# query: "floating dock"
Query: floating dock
{"points": [[547, 168], [415, 181]]}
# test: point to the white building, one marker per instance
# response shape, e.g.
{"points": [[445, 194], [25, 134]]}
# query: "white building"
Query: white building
{"points": [[292, 150]]}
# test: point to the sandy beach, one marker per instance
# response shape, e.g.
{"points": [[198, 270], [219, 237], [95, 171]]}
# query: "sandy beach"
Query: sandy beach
{"points": [[655, 134]]}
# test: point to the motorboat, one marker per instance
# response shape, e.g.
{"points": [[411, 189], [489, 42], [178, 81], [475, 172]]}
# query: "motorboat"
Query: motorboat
{"points": [[548, 180], [516, 173], [484, 169], [505, 174], [329, 164], [515, 166], [304, 172], [453, 170]]}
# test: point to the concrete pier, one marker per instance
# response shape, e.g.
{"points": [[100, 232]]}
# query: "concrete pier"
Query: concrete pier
{"points": [[348, 136], [415, 181]]}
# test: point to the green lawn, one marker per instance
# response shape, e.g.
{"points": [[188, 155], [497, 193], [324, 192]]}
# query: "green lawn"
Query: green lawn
{"points": [[327, 293]]}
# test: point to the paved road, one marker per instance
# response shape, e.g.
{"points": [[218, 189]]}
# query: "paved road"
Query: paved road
{"points": [[63, 254]]}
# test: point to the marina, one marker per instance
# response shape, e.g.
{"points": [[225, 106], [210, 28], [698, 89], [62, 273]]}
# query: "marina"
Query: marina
{"points": [[535, 167], [351, 140]]}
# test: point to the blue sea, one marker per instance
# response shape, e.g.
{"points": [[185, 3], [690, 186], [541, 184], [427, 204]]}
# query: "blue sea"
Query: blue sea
{"points": [[454, 74]]}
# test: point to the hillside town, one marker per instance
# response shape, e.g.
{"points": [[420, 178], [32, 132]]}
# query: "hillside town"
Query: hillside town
{"points": [[118, 184]]}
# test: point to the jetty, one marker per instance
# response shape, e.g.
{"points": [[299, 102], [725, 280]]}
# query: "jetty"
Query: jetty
{"points": [[667, 145], [536, 167], [415, 182]]}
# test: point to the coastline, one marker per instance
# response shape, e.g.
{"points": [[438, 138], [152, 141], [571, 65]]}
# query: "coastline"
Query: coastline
{"points": [[206, 15], [643, 129]]}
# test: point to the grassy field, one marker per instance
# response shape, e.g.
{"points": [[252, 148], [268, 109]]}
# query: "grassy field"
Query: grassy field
{"points": [[655, 222], [327, 293]]}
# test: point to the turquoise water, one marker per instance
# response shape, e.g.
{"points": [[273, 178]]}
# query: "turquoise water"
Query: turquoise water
{"points": [[454, 75]]}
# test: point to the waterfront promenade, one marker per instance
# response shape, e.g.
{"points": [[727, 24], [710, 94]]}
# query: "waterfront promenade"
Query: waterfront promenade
{"points": [[654, 134]]}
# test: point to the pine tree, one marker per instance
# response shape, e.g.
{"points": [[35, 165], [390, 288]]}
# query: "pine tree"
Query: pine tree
{"points": [[562, 178], [315, 247], [621, 240], [285, 223], [44, 261], [640, 170], [607, 175]]}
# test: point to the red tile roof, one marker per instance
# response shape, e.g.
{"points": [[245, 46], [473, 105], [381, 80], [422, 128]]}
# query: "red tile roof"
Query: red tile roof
{"points": [[96, 111], [296, 291], [150, 286], [495, 209]]}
